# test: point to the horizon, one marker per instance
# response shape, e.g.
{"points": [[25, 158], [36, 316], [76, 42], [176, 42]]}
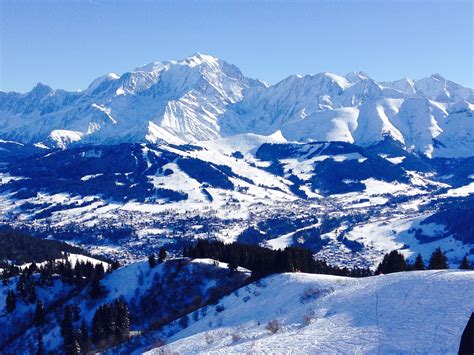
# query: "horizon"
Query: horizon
{"points": [[66, 45], [257, 78]]}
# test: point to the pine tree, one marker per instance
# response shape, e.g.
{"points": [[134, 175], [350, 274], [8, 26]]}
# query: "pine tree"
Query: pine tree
{"points": [[115, 265], [233, 265], [392, 262], [110, 321], [465, 264], [31, 291], [11, 301], [419, 263], [67, 274], [162, 255], [67, 332], [438, 260], [96, 289], [83, 337], [98, 326], [21, 286], [152, 260], [99, 271], [76, 315], [39, 344], [39, 313], [123, 320]]}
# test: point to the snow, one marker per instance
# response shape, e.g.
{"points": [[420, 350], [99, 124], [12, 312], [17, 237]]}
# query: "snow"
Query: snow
{"points": [[219, 264], [73, 259], [461, 191], [62, 137], [422, 312], [382, 235], [88, 177], [204, 98], [286, 240], [396, 160]]}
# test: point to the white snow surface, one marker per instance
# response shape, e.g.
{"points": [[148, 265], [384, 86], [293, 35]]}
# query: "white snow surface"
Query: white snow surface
{"points": [[413, 312]]}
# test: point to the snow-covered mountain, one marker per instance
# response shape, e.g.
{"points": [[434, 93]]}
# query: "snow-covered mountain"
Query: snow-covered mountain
{"points": [[204, 98], [194, 148]]}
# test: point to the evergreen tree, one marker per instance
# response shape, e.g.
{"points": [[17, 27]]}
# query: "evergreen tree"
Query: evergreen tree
{"points": [[84, 336], [78, 276], [21, 287], [84, 331], [152, 260], [31, 291], [162, 255], [39, 313], [67, 332], [75, 312], [39, 344], [465, 264], [419, 263], [438, 260], [392, 262], [99, 271], [123, 320], [11, 301], [96, 290], [233, 265], [115, 265], [98, 326], [67, 274]]}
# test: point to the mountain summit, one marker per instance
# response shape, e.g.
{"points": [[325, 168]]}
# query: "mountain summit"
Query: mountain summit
{"points": [[202, 98]]}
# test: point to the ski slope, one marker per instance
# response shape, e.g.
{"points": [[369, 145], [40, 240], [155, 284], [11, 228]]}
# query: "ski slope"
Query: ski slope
{"points": [[413, 312]]}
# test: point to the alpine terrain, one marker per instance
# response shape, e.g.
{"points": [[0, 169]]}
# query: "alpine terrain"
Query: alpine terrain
{"points": [[162, 210]]}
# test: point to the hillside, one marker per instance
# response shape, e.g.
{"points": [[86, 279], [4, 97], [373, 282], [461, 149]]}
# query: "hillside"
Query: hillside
{"points": [[153, 297], [423, 312]]}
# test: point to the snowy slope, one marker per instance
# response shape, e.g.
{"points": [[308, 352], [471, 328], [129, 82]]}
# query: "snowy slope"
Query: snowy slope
{"points": [[203, 98], [421, 312], [136, 283]]}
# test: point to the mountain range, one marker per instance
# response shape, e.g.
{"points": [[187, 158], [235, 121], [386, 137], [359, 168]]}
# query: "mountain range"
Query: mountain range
{"points": [[345, 166], [248, 193], [204, 98]]}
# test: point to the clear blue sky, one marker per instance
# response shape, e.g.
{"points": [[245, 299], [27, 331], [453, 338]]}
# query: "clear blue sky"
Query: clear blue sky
{"points": [[67, 44]]}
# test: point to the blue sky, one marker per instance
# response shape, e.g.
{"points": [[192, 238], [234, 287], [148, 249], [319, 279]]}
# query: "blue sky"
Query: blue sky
{"points": [[67, 44]]}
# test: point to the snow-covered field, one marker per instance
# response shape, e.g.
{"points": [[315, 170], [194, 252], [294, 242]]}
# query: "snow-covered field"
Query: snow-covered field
{"points": [[413, 312]]}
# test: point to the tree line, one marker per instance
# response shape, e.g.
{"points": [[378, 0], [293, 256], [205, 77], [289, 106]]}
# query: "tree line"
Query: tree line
{"points": [[263, 261], [19, 248], [396, 262]]}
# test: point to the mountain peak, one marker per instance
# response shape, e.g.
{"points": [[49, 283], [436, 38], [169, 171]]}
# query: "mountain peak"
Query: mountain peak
{"points": [[198, 59], [357, 76], [194, 60], [41, 89], [437, 77]]}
